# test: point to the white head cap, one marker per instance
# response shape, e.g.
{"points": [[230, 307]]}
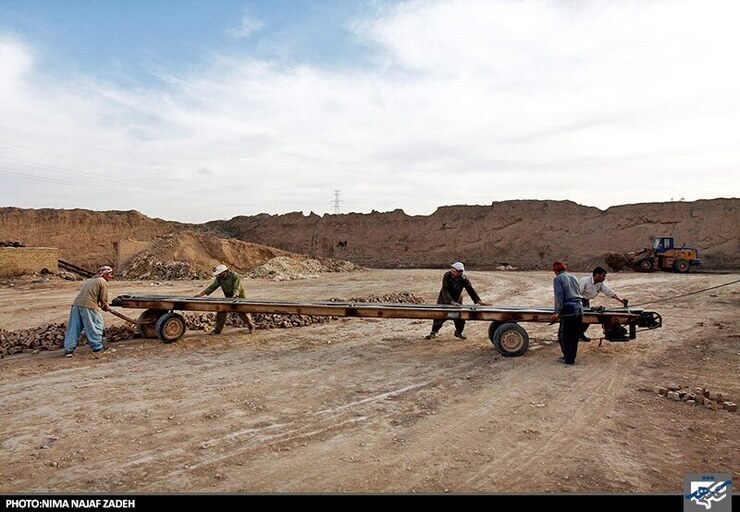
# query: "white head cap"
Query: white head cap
{"points": [[458, 266], [105, 269], [219, 269]]}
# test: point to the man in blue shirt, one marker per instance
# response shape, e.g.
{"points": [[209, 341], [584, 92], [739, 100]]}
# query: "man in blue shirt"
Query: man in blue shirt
{"points": [[568, 311]]}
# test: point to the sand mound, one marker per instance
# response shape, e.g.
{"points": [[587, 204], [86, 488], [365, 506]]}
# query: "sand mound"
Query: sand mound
{"points": [[191, 255], [282, 268]]}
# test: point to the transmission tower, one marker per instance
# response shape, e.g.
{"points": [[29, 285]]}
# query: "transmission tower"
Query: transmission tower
{"points": [[337, 201]]}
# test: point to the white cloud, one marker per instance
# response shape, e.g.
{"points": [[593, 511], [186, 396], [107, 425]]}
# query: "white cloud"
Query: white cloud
{"points": [[248, 27], [468, 102], [15, 63]]}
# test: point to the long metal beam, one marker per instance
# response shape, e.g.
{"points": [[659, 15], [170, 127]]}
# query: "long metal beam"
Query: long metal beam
{"points": [[369, 309]]}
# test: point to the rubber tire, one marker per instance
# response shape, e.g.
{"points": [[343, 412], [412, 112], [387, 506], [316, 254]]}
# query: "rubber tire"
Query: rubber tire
{"points": [[681, 265], [170, 327], [148, 330], [645, 265], [508, 333], [492, 329]]}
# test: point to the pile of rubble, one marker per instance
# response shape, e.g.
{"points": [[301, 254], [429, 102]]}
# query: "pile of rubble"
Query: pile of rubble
{"points": [[391, 298], [206, 321], [714, 400], [168, 271], [616, 262], [193, 255], [286, 268], [51, 336]]}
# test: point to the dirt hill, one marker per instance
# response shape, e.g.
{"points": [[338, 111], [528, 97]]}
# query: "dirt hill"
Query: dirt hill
{"points": [[188, 254], [525, 234], [84, 237]]}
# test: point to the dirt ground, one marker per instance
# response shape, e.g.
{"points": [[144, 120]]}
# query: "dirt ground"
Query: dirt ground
{"points": [[366, 405]]}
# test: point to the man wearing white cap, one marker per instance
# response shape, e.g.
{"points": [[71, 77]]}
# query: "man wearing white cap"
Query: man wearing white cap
{"points": [[85, 313], [453, 284], [232, 286]]}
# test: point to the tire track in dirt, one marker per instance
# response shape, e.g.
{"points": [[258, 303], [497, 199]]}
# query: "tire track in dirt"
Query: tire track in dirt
{"points": [[329, 408]]}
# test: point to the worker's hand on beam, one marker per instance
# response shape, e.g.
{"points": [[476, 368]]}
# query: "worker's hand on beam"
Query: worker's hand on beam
{"points": [[555, 317]]}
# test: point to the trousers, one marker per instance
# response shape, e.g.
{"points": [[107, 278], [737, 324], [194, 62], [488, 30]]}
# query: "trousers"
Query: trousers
{"points": [[571, 317], [221, 320], [88, 319]]}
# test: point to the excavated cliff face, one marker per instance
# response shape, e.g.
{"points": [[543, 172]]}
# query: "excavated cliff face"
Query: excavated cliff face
{"points": [[525, 234], [84, 237]]}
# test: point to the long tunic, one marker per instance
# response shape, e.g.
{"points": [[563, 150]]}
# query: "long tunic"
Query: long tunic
{"points": [[452, 289], [231, 285], [94, 293]]}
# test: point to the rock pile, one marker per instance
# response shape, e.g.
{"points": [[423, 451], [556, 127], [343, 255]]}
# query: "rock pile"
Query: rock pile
{"points": [[391, 298], [191, 255], [285, 268], [616, 262], [51, 336], [714, 400], [206, 321], [169, 271]]}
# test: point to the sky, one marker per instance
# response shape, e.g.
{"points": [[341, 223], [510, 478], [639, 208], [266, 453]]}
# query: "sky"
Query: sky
{"points": [[201, 110]]}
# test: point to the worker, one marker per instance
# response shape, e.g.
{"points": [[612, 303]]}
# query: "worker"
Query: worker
{"points": [[85, 313], [590, 288], [568, 311], [453, 284], [231, 285]]}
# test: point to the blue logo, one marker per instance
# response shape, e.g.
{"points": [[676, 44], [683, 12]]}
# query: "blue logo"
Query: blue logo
{"points": [[704, 492]]}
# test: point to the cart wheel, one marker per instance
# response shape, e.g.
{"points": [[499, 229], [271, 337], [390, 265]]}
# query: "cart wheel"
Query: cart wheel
{"points": [[681, 265], [492, 329], [511, 340], [148, 330], [170, 327], [646, 265]]}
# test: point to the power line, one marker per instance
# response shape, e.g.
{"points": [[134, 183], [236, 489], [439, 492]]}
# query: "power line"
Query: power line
{"points": [[687, 294]]}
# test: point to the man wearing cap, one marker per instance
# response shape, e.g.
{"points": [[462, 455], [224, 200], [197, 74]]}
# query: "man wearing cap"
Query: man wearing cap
{"points": [[232, 286], [568, 311], [453, 284], [85, 313]]}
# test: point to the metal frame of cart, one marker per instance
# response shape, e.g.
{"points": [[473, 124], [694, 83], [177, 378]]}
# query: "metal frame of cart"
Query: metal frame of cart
{"points": [[161, 320]]}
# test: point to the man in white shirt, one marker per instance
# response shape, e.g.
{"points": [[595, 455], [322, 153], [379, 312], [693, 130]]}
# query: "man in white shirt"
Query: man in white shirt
{"points": [[590, 288]]}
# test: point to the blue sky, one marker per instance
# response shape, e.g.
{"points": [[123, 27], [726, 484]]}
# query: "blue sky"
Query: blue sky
{"points": [[199, 110]]}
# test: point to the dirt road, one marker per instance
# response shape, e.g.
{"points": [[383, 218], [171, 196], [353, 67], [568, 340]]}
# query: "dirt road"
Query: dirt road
{"points": [[364, 405]]}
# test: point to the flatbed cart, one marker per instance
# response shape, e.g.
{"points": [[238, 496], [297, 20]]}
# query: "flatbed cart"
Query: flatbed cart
{"points": [[161, 320]]}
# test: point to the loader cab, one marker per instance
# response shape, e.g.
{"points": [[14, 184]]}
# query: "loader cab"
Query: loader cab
{"points": [[662, 243]]}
